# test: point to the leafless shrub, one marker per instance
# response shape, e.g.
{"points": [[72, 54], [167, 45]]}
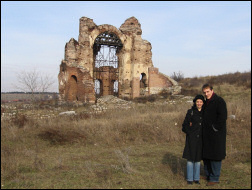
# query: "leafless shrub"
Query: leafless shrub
{"points": [[177, 76]]}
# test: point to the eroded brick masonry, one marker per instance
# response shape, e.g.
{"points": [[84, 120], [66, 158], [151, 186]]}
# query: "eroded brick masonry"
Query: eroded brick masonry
{"points": [[110, 61]]}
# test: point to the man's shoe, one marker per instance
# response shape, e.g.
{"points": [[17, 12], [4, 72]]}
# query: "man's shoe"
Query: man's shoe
{"points": [[211, 183], [189, 182], [197, 182], [205, 178]]}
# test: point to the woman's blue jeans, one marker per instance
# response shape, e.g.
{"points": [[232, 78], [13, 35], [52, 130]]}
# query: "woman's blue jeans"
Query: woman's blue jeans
{"points": [[193, 171]]}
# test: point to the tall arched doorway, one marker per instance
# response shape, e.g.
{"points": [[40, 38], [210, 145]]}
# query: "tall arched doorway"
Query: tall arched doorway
{"points": [[115, 88], [98, 88], [143, 84], [106, 48], [72, 93]]}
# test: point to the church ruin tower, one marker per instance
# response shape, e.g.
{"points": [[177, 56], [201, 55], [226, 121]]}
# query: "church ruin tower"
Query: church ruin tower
{"points": [[110, 61]]}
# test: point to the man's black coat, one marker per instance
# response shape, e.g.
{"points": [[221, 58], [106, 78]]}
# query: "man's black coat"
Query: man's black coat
{"points": [[214, 128]]}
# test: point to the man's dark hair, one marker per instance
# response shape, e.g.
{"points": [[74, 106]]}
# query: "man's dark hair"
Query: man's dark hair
{"points": [[207, 86]]}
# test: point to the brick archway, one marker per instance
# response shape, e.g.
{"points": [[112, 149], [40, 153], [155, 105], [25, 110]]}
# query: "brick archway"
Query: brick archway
{"points": [[106, 64]]}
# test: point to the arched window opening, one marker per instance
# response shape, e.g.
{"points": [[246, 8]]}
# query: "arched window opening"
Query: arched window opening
{"points": [[106, 47], [106, 57], [74, 78], [143, 80], [115, 89], [143, 84], [98, 88]]}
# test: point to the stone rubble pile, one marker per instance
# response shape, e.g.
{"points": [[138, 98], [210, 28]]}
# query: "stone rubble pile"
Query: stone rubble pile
{"points": [[111, 102]]}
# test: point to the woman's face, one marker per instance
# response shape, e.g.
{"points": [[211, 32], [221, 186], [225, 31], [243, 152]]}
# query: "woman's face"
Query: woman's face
{"points": [[199, 103]]}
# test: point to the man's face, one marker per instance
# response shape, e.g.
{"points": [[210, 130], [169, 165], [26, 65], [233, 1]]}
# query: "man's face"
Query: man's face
{"points": [[207, 92]]}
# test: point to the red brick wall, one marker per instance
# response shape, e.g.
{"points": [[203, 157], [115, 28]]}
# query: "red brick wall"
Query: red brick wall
{"points": [[158, 80], [77, 89]]}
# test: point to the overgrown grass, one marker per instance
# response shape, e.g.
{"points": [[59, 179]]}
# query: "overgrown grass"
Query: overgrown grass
{"points": [[192, 86], [136, 148]]}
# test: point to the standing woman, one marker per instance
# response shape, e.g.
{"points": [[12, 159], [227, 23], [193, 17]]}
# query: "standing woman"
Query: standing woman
{"points": [[192, 126]]}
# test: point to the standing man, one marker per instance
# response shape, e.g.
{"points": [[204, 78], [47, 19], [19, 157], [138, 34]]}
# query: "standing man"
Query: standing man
{"points": [[214, 134]]}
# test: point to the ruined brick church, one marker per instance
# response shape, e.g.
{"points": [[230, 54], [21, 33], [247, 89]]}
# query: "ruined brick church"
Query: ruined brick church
{"points": [[110, 61]]}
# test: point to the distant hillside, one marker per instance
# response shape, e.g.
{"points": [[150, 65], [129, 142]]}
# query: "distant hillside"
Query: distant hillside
{"points": [[192, 86]]}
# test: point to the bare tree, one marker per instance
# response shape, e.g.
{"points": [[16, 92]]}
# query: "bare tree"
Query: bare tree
{"points": [[46, 83], [34, 82], [28, 82]]}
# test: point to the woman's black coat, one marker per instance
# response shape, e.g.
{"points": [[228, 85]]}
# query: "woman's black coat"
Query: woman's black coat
{"points": [[193, 145], [214, 129]]}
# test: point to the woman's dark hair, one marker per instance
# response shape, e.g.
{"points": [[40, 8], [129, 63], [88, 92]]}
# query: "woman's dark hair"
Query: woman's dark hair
{"points": [[199, 96]]}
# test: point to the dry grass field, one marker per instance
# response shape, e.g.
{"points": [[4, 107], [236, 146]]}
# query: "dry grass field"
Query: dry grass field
{"points": [[140, 147]]}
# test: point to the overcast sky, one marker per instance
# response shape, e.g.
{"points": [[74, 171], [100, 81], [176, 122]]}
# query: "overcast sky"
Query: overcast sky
{"points": [[196, 38]]}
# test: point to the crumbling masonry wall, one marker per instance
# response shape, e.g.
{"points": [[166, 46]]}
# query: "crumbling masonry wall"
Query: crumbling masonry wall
{"points": [[135, 73]]}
